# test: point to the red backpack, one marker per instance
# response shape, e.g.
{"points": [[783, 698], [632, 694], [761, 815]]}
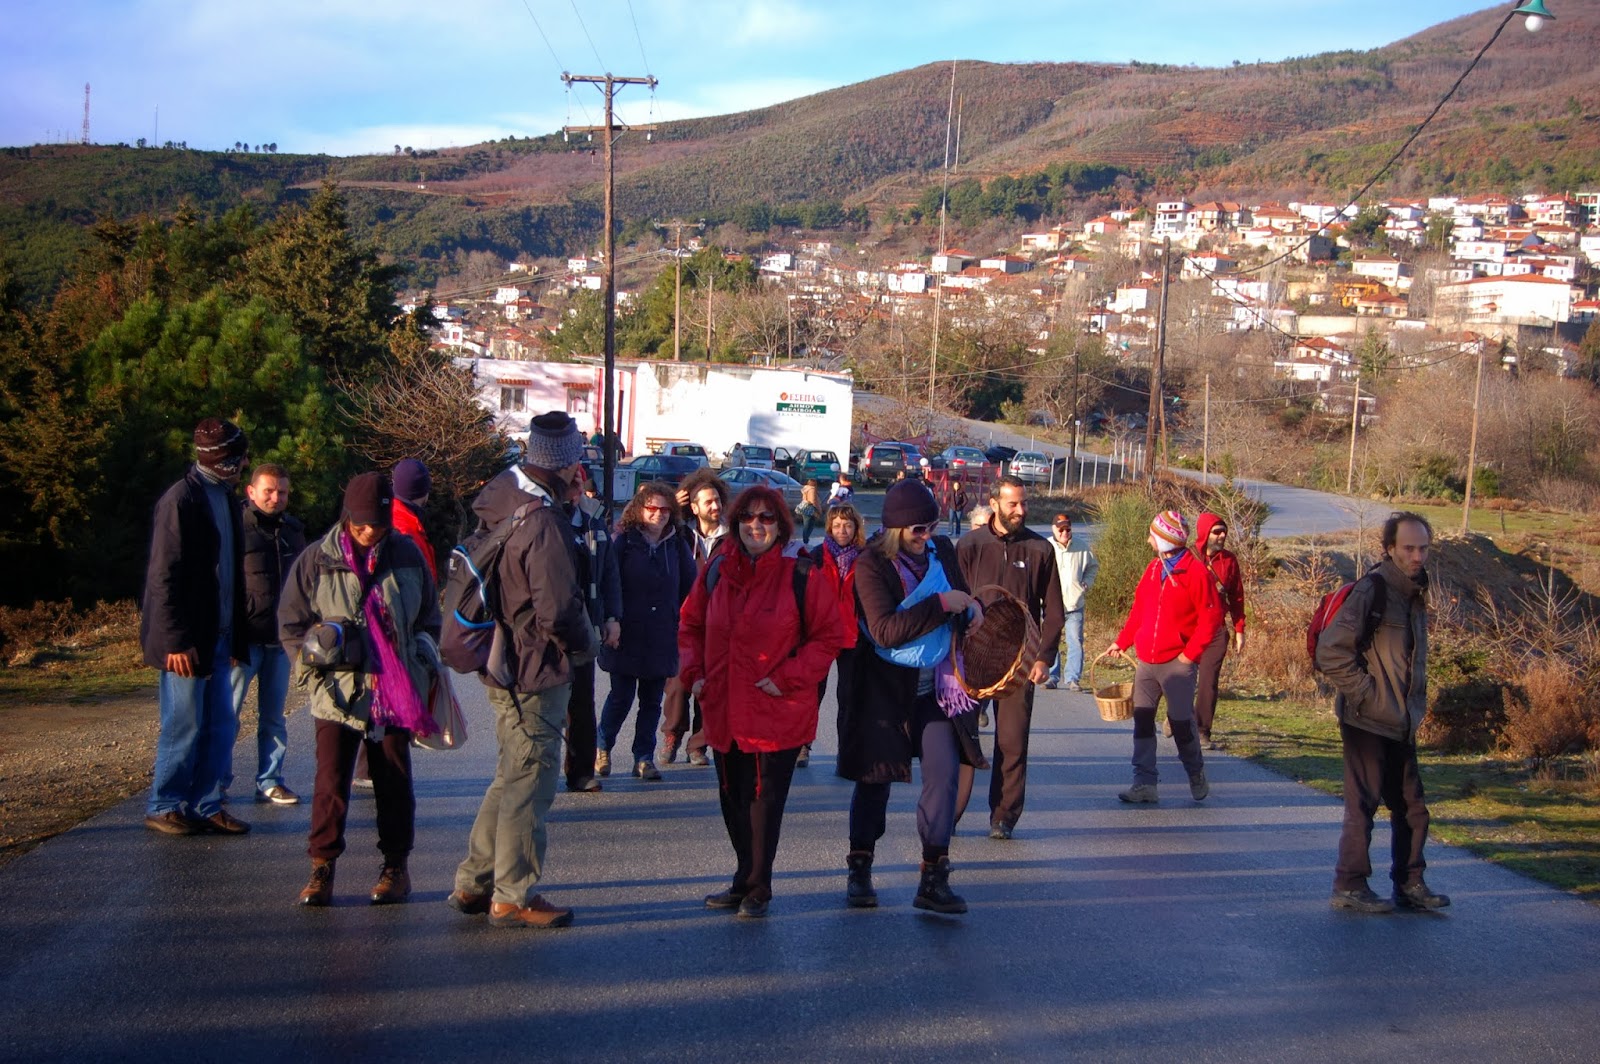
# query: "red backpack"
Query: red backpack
{"points": [[1329, 608]]}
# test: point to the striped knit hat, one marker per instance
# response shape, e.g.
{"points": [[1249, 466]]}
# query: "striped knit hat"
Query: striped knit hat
{"points": [[1169, 530]]}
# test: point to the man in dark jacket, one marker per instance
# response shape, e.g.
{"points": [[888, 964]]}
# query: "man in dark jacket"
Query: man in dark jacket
{"points": [[543, 602], [602, 595], [193, 624], [1377, 659], [272, 541], [1006, 552]]}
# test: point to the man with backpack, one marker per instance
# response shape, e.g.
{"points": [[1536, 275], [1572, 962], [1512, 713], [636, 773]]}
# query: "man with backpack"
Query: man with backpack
{"points": [[538, 612], [1375, 654]]}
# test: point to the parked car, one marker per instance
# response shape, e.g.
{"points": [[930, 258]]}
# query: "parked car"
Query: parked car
{"points": [[958, 459], [821, 466], [741, 477], [685, 449], [881, 463], [670, 468], [1031, 467], [1000, 453], [749, 455]]}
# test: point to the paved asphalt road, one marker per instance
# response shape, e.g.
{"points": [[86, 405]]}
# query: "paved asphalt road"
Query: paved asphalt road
{"points": [[1195, 932]]}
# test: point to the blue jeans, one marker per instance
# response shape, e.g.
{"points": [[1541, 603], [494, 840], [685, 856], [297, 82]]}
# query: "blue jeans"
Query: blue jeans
{"points": [[269, 666], [620, 700], [195, 749], [1068, 666]]}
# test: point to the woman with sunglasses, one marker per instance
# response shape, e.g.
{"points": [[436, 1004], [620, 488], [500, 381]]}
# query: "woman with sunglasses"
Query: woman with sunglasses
{"points": [[656, 567], [757, 635], [906, 702]]}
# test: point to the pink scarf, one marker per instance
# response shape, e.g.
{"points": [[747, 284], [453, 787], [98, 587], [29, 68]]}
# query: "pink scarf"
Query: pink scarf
{"points": [[395, 702]]}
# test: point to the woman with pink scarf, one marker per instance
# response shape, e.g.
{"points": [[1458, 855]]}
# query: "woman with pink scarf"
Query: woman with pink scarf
{"points": [[351, 617]]}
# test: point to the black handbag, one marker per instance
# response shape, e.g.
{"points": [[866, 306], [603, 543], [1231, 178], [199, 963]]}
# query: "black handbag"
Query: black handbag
{"points": [[336, 643]]}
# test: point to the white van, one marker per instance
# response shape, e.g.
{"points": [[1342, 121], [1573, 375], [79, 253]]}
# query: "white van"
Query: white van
{"points": [[749, 456], [685, 449]]}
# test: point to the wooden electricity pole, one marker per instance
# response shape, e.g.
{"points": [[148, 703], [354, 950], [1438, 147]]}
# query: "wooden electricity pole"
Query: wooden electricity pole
{"points": [[1157, 364], [678, 226]]}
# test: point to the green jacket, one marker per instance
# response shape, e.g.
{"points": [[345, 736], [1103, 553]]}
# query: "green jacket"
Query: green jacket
{"points": [[322, 587]]}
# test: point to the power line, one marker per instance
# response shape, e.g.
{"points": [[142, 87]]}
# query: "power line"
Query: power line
{"points": [[585, 29], [559, 64], [639, 37]]}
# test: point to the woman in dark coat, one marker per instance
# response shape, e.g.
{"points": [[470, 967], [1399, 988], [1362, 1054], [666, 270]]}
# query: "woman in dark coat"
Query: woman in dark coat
{"points": [[844, 538], [908, 591], [656, 566]]}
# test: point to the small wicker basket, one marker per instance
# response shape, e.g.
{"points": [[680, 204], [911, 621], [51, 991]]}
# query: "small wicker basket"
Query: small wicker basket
{"points": [[1115, 700]]}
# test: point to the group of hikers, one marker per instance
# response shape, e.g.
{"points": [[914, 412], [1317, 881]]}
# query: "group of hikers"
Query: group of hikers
{"points": [[718, 626]]}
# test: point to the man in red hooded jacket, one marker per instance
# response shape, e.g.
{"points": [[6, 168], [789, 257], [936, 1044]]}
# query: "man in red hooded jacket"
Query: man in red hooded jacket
{"points": [[1211, 539], [1175, 614]]}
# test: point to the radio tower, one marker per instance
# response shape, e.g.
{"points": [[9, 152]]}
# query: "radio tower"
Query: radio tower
{"points": [[86, 112]]}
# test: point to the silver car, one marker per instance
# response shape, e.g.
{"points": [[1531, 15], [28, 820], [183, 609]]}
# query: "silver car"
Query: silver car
{"points": [[1031, 467], [741, 477]]}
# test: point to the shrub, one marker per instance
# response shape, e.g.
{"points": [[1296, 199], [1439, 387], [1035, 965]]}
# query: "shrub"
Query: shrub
{"points": [[1465, 699], [1552, 711], [1124, 519]]}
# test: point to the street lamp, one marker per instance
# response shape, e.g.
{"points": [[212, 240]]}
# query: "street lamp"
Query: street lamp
{"points": [[1536, 15]]}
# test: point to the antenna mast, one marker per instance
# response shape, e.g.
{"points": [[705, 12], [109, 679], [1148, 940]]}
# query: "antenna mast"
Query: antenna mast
{"points": [[86, 112]]}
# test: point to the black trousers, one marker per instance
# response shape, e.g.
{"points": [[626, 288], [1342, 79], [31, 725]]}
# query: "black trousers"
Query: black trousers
{"points": [[1208, 671], [389, 761], [579, 762], [1008, 780], [845, 665], [1379, 769], [753, 788]]}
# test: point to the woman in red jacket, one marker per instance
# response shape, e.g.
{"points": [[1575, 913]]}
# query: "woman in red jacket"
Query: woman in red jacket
{"points": [[1211, 538], [1175, 614], [754, 662]]}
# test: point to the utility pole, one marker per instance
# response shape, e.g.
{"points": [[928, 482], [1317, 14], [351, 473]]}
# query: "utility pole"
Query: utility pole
{"points": [[609, 299], [711, 290], [1472, 449], [1157, 364], [678, 226], [1355, 420], [1205, 446], [86, 112]]}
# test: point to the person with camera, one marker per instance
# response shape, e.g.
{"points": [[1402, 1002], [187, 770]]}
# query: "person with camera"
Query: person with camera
{"points": [[350, 619]]}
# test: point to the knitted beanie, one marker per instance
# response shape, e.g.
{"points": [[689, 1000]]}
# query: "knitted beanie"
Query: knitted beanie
{"points": [[1170, 530], [412, 481], [220, 447], [909, 502], [554, 441]]}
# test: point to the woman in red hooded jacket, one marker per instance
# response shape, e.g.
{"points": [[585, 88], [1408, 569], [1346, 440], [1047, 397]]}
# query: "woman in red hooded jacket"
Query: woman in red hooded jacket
{"points": [[754, 662], [1175, 614], [1210, 538]]}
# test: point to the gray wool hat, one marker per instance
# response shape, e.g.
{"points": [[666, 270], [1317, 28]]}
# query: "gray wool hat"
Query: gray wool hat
{"points": [[554, 441]]}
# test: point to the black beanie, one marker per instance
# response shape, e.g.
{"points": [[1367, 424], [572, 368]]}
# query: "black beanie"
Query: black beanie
{"points": [[220, 447], [368, 500], [907, 503]]}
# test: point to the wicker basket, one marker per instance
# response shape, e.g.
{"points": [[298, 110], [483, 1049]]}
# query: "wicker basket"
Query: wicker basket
{"points": [[993, 659], [1115, 700]]}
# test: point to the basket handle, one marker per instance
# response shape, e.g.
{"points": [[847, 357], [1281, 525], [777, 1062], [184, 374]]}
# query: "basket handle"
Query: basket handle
{"points": [[1095, 664]]}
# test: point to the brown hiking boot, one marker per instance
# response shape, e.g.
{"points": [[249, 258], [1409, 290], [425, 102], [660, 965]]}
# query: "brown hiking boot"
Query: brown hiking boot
{"points": [[468, 903], [319, 891], [394, 884], [537, 913]]}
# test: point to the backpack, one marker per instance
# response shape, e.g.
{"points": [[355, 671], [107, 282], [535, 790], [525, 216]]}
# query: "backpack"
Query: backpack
{"points": [[1329, 608], [473, 637], [797, 579]]}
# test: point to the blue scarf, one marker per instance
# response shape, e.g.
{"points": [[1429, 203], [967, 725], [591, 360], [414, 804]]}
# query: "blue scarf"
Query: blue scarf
{"points": [[930, 651]]}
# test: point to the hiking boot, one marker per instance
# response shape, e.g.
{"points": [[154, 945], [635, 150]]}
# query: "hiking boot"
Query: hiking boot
{"points": [[394, 884], [858, 892], [933, 891], [224, 823], [318, 890], [698, 758], [538, 913], [173, 822], [1051, 685], [805, 757], [1198, 787], [669, 748], [277, 794], [1361, 900], [646, 770], [602, 762], [727, 899], [584, 785], [1000, 830], [467, 903], [1418, 896], [1139, 792]]}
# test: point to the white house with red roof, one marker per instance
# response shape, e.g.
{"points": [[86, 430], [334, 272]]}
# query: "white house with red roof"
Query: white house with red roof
{"points": [[1525, 300]]}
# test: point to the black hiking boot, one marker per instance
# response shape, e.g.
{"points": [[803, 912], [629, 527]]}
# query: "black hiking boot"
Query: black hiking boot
{"points": [[858, 890], [934, 893]]}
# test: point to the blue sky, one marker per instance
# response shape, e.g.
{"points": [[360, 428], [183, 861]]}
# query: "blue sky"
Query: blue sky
{"points": [[344, 77]]}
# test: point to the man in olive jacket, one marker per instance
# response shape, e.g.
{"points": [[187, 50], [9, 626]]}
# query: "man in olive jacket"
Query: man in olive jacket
{"points": [[544, 604], [1007, 552], [1375, 653]]}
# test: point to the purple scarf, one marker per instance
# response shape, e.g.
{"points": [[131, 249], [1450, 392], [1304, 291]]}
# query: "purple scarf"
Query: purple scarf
{"points": [[843, 557], [395, 702], [947, 689]]}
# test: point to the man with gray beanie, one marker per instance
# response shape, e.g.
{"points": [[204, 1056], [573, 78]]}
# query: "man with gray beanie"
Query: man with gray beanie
{"points": [[543, 600], [193, 626]]}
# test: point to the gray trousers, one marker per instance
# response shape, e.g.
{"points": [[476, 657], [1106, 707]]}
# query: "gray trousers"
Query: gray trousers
{"points": [[1176, 681], [505, 851]]}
